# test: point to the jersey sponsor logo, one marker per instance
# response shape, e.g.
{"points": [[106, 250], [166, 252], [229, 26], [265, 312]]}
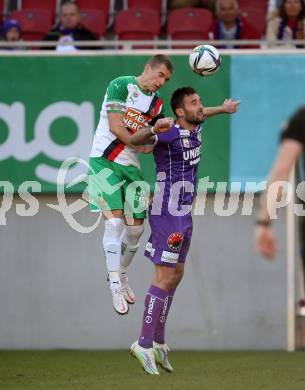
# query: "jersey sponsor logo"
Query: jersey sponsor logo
{"points": [[192, 154], [195, 162], [174, 241], [169, 257], [134, 120]]}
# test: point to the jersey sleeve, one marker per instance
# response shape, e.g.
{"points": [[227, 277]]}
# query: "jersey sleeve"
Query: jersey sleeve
{"points": [[116, 96], [167, 137], [295, 128]]}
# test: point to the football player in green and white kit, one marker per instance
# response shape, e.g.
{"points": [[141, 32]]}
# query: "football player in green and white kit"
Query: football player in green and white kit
{"points": [[130, 103]]}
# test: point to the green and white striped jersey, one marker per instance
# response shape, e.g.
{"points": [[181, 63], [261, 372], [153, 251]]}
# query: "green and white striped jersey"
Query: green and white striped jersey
{"points": [[125, 96]]}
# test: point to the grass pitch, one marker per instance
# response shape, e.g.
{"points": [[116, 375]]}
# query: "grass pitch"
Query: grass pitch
{"points": [[116, 370]]}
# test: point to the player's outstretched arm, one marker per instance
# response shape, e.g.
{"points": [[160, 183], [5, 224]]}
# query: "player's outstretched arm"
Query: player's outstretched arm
{"points": [[229, 106], [148, 134]]}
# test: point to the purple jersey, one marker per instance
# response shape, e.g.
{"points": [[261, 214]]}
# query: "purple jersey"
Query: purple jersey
{"points": [[177, 155]]}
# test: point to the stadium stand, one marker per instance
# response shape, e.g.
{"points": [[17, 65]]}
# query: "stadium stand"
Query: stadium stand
{"points": [[95, 21], [256, 18], [1, 11], [48, 5], [190, 23], [157, 5], [107, 6], [35, 23], [137, 24], [259, 4]]}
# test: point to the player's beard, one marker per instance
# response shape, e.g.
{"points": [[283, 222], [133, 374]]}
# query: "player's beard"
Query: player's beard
{"points": [[194, 119]]}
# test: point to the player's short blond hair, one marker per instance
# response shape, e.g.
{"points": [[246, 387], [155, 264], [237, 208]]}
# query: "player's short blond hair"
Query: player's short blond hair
{"points": [[159, 59]]}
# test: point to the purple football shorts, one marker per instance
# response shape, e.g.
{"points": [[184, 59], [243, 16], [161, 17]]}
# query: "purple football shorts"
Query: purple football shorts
{"points": [[170, 239]]}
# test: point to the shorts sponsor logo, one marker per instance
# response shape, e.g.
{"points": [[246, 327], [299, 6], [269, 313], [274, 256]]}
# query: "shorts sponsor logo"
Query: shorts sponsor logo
{"points": [[169, 257], [148, 319], [174, 241]]}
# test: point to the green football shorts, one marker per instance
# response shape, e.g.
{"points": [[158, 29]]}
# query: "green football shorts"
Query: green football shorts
{"points": [[114, 186]]}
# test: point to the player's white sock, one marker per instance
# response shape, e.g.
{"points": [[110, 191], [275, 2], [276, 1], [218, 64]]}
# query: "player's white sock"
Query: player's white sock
{"points": [[112, 247], [130, 239]]}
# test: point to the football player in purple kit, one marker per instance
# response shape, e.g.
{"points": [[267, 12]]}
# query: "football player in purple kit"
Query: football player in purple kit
{"points": [[177, 155]]}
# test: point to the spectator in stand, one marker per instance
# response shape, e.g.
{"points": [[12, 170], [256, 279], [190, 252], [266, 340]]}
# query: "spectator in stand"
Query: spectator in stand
{"points": [[70, 29], [11, 32], [288, 23], [273, 5], [230, 26]]}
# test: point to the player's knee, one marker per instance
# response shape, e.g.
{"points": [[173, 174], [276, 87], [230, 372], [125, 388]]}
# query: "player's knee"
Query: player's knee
{"points": [[133, 234], [113, 229], [171, 281]]}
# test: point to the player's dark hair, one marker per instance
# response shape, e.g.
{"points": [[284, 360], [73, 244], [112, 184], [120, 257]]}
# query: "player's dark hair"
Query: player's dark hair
{"points": [[178, 97], [159, 59], [283, 14]]}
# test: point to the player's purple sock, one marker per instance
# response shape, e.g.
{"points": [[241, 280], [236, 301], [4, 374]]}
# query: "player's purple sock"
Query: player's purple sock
{"points": [[159, 335], [154, 302]]}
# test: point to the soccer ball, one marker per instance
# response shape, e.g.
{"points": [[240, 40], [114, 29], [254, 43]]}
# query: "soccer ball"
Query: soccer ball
{"points": [[205, 60]]}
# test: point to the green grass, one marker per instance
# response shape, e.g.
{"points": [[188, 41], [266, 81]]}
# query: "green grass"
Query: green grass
{"points": [[44, 370]]}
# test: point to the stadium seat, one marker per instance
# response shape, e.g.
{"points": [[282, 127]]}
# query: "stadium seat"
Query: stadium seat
{"points": [[256, 18], [190, 23], [95, 21], [259, 4], [157, 5], [137, 24], [107, 6], [2, 11], [48, 5], [35, 23]]}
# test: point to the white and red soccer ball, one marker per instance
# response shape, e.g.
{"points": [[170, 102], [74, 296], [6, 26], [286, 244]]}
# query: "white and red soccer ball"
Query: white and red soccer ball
{"points": [[205, 60]]}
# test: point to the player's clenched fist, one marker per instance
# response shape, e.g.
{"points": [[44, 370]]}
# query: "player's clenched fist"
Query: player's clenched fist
{"points": [[162, 125], [265, 241], [230, 106]]}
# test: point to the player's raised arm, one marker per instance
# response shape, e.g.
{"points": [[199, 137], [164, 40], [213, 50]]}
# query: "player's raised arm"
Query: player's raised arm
{"points": [[148, 134], [229, 106]]}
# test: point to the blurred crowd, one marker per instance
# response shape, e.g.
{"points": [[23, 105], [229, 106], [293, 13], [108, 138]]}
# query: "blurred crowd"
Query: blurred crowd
{"points": [[108, 20]]}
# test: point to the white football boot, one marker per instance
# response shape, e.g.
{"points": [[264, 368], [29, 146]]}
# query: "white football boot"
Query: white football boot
{"points": [[160, 351], [146, 357], [118, 299], [126, 289]]}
